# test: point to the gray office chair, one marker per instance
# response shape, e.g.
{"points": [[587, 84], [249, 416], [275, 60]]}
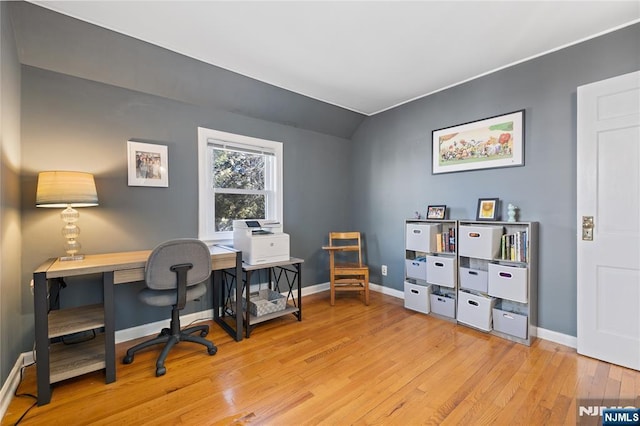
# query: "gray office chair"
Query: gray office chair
{"points": [[175, 272]]}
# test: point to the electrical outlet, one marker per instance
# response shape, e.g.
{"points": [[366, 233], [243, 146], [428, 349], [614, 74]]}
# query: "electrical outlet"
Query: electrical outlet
{"points": [[384, 270]]}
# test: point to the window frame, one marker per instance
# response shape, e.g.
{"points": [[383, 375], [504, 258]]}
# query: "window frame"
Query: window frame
{"points": [[206, 216]]}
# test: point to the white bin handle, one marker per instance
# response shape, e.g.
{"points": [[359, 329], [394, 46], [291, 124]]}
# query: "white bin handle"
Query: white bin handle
{"points": [[417, 231], [474, 235], [439, 264], [472, 302], [507, 316], [414, 291], [505, 275]]}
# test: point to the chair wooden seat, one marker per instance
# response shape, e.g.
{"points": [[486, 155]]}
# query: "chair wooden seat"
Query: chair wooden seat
{"points": [[345, 273]]}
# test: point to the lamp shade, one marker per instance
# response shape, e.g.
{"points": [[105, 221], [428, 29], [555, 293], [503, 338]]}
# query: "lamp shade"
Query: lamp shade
{"points": [[63, 188]]}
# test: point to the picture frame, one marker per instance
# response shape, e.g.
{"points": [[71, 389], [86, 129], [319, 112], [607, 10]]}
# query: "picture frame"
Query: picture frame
{"points": [[489, 143], [147, 164], [488, 209], [436, 212]]}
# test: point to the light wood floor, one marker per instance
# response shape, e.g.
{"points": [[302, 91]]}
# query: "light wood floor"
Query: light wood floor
{"points": [[350, 364]]}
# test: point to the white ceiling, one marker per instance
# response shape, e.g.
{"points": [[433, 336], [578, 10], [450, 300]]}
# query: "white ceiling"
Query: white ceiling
{"points": [[366, 56]]}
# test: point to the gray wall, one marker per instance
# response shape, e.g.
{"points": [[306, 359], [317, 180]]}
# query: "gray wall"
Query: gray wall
{"points": [[12, 300], [76, 124], [392, 174]]}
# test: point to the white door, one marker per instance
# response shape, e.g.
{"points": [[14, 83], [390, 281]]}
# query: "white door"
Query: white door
{"points": [[608, 190]]}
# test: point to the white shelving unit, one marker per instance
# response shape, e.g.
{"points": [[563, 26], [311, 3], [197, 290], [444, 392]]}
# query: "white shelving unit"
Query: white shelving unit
{"points": [[431, 273], [498, 278]]}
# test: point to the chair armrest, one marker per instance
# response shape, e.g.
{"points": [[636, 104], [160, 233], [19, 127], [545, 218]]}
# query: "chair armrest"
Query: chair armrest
{"points": [[340, 248]]}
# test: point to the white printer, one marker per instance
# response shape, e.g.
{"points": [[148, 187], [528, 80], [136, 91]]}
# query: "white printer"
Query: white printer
{"points": [[261, 241]]}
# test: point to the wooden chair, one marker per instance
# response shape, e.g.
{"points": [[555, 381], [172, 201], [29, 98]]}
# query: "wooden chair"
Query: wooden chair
{"points": [[346, 270]]}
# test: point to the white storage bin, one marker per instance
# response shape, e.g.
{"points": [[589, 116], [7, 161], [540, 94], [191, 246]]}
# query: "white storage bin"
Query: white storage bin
{"points": [[422, 236], [510, 323], [441, 270], [482, 241], [475, 310], [417, 268], [442, 305], [508, 282], [416, 297], [473, 279]]}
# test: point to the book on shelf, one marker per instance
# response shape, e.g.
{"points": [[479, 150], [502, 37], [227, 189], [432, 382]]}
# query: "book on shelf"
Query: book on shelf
{"points": [[452, 240], [514, 247], [446, 241]]}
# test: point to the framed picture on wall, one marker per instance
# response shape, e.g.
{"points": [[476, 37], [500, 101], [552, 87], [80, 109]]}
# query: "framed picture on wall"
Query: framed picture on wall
{"points": [[436, 212], [483, 144], [488, 209], [147, 164]]}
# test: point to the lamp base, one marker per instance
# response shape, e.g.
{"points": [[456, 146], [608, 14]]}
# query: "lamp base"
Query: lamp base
{"points": [[74, 257]]}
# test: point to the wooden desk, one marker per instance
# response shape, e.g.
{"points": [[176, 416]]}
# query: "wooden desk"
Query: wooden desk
{"points": [[58, 362]]}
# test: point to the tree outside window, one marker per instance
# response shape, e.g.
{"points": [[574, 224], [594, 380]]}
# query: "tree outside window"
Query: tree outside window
{"points": [[239, 187]]}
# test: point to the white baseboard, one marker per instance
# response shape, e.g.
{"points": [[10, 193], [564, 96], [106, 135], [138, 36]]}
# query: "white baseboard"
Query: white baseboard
{"points": [[13, 381], [155, 327], [386, 290], [554, 336]]}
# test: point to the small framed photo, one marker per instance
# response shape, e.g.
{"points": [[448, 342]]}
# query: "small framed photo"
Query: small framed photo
{"points": [[488, 209], [148, 164], [436, 212]]}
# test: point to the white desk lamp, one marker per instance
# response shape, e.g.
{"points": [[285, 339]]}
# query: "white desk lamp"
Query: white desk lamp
{"points": [[61, 189]]}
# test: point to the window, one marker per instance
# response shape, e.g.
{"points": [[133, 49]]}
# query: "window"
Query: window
{"points": [[240, 177]]}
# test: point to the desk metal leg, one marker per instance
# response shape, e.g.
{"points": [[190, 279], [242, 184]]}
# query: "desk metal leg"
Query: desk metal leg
{"points": [[239, 319], [217, 289], [298, 267], [248, 311], [109, 327], [220, 300], [42, 337]]}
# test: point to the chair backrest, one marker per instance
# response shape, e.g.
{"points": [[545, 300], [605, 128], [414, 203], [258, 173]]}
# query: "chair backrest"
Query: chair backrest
{"points": [[349, 240], [158, 273]]}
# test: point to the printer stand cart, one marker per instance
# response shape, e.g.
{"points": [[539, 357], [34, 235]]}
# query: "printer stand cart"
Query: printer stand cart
{"points": [[284, 276]]}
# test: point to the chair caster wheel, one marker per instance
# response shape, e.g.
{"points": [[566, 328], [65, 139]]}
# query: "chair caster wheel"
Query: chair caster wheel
{"points": [[160, 371], [212, 351], [128, 359]]}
